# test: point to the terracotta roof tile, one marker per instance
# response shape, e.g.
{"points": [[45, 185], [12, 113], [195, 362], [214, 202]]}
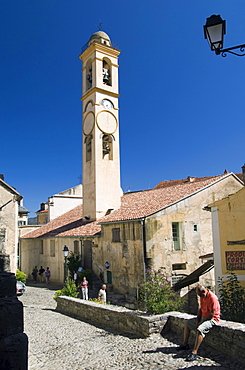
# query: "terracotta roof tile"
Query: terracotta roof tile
{"points": [[167, 183], [68, 224], [137, 205]]}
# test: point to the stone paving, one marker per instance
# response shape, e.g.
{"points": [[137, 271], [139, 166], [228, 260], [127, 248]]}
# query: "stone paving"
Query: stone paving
{"points": [[57, 341]]}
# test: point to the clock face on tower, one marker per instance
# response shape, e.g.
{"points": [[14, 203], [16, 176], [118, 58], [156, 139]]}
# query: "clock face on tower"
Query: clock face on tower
{"points": [[106, 122], [107, 104], [88, 123]]}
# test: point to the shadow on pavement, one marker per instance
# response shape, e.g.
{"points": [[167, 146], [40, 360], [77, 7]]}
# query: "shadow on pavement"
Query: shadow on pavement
{"points": [[51, 286], [223, 361]]}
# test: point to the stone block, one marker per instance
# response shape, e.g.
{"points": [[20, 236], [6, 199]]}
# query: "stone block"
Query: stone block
{"points": [[14, 351]]}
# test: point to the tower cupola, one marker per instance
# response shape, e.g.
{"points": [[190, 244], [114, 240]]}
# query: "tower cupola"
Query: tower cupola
{"points": [[100, 37]]}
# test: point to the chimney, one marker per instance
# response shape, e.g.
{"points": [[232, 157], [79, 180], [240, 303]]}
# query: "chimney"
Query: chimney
{"points": [[2, 177], [243, 173], [191, 179]]}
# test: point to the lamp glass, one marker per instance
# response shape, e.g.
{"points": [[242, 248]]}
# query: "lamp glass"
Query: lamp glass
{"points": [[65, 251], [215, 36]]}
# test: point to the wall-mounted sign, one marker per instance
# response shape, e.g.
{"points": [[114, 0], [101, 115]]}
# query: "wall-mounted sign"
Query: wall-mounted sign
{"points": [[235, 260], [236, 242], [107, 265]]}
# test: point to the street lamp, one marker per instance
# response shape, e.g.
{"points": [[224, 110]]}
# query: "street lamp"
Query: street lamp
{"points": [[65, 253], [214, 31]]}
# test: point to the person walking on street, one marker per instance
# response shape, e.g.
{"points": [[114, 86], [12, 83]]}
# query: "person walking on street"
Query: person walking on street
{"points": [[75, 277], [34, 274], [84, 286], [47, 275], [102, 294], [208, 316], [41, 277]]}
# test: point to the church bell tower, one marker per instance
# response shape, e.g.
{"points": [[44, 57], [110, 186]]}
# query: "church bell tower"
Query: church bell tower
{"points": [[100, 131]]}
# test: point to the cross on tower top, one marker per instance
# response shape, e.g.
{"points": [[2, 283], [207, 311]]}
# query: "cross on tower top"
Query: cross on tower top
{"points": [[99, 26]]}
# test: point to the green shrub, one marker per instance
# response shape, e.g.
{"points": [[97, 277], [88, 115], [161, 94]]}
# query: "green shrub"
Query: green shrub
{"points": [[97, 301], [156, 294], [69, 290], [232, 298], [21, 276], [73, 262]]}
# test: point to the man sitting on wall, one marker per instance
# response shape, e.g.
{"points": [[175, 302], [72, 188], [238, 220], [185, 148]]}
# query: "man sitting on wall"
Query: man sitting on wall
{"points": [[208, 315]]}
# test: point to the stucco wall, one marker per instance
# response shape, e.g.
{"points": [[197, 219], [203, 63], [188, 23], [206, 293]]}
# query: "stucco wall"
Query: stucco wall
{"points": [[125, 257], [188, 212], [31, 256], [229, 226]]}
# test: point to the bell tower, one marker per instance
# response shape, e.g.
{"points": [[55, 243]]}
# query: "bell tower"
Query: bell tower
{"points": [[100, 131]]}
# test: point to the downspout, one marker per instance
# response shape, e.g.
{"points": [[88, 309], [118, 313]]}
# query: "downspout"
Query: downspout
{"points": [[143, 254], [143, 245]]}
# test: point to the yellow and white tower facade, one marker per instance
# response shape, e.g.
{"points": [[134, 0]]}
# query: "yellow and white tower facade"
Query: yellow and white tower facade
{"points": [[100, 145]]}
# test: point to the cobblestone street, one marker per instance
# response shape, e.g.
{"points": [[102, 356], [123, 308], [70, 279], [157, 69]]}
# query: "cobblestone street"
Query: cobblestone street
{"points": [[57, 341]]}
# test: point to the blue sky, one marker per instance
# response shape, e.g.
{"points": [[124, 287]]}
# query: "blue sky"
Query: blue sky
{"points": [[181, 106]]}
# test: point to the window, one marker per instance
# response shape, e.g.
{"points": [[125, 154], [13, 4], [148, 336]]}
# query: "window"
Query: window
{"points": [[41, 247], [116, 235], [195, 227], [179, 266], [176, 236], [2, 240], [52, 248], [109, 277], [76, 247], [21, 223]]}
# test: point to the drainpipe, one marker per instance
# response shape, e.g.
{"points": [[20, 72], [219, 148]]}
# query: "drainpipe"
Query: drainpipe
{"points": [[143, 245], [143, 248]]}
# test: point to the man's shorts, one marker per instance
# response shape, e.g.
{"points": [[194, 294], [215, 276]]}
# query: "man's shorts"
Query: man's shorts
{"points": [[204, 326]]}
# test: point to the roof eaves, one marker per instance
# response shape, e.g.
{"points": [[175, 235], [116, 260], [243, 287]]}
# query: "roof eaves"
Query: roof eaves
{"points": [[122, 221], [191, 194], [11, 189]]}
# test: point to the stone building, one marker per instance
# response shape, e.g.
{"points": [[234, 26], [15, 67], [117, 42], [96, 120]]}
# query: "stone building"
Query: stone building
{"points": [[9, 215], [165, 227]]}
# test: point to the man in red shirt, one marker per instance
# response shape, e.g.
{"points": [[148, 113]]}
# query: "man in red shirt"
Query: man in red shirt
{"points": [[208, 315]]}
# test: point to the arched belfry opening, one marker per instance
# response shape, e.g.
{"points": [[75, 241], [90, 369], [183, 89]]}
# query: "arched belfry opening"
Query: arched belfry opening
{"points": [[88, 143], [106, 72], [107, 147], [89, 74]]}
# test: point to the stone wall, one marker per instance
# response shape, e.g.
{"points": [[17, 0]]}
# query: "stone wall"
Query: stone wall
{"points": [[13, 342], [227, 337], [112, 317]]}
